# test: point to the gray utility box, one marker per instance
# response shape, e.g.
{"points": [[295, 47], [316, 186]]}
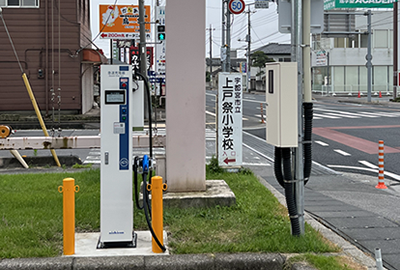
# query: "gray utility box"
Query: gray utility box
{"points": [[281, 98]]}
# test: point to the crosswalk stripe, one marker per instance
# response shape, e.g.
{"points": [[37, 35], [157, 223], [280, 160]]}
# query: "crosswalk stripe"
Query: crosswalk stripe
{"points": [[343, 153], [343, 115], [381, 114], [326, 116], [347, 113]]}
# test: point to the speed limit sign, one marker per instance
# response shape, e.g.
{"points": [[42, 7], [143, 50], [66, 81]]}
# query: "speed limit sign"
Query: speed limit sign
{"points": [[236, 6]]}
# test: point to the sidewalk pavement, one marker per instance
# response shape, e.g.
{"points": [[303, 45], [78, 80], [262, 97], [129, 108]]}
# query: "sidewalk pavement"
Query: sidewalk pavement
{"points": [[348, 204]]}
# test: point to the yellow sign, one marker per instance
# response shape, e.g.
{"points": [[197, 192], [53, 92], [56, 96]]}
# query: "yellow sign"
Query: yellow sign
{"points": [[122, 18]]}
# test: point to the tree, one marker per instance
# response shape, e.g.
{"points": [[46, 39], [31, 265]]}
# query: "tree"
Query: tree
{"points": [[259, 59]]}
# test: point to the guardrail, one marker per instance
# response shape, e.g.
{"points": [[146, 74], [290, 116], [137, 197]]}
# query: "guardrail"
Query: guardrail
{"points": [[350, 90], [77, 142]]}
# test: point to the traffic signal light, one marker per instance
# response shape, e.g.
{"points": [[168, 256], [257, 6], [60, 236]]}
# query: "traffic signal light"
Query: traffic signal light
{"points": [[161, 32]]}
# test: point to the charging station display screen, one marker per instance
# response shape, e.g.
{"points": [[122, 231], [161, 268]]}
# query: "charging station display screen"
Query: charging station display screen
{"points": [[115, 97]]}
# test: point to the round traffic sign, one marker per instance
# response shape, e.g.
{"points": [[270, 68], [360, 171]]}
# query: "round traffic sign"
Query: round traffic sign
{"points": [[236, 6]]}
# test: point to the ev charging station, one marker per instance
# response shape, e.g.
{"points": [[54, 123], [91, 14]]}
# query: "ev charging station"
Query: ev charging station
{"points": [[121, 112]]}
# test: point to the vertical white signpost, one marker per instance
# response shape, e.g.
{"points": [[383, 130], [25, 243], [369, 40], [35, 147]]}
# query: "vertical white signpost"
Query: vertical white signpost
{"points": [[230, 119]]}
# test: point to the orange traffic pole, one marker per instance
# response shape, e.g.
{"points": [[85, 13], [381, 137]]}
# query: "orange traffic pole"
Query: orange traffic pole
{"points": [[68, 189], [381, 177], [157, 187], [262, 113]]}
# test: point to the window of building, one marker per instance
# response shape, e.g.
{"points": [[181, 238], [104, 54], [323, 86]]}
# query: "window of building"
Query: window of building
{"points": [[390, 38], [343, 42], [363, 41], [285, 59], [363, 80], [381, 39], [19, 3], [338, 78], [338, 42], [352, 78], [380, 78]]}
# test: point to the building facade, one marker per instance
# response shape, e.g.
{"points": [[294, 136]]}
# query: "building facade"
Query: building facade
{"points": [[52, 41], [339, 63]]}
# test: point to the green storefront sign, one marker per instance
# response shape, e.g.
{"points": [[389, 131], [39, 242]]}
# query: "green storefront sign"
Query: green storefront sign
{"points": [[331, 4]]}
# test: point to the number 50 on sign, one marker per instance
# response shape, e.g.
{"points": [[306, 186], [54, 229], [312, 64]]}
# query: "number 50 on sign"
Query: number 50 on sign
{"points": [[236, 6]]}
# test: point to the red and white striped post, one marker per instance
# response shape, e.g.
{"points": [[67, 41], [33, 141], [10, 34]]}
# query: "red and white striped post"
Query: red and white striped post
{"points": [[262, 113], [381, 179]]}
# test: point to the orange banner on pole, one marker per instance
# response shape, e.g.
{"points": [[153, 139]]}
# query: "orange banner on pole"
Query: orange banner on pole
{"points": [[122, 18]]}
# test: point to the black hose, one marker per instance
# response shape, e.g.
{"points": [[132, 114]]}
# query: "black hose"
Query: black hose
{"points": [[135, 178], [307, 147], [278, 166], [146, 204], [146, 84], [285, 178], [146, 213], [290, 193]]}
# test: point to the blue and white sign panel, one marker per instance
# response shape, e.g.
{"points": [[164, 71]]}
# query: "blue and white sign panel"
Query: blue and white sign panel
{"points": [[230, 119], [236, 6]]}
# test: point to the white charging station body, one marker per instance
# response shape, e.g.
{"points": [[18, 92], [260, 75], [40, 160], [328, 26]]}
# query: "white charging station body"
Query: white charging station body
{"points": [[117, 109]]}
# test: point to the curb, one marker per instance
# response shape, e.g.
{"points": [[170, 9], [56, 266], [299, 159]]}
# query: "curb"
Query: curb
{"points": [[236, 261]]}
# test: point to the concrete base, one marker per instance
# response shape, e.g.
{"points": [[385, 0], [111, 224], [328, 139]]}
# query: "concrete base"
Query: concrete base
{"points": [[217, 193], [86, 243]]}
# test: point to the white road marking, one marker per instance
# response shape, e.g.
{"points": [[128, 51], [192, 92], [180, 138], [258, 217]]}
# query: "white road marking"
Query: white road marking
{"points": [[347, 113], [210, 113], [256, 164], [343, 153], [380, 114], [94, 157], [326, 116], [321, 143], [393, 175], [342, 115], [368, 164]]}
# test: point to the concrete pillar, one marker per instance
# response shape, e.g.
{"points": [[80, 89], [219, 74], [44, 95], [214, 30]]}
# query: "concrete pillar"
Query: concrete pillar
{"points": [[185, 91]]}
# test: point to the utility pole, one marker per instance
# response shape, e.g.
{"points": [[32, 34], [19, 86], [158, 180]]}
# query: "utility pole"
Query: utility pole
{"points": [[248, 39], [297, 42], [143, 52], [223, 48], [142, 43], [228, 40], [211, 81]]}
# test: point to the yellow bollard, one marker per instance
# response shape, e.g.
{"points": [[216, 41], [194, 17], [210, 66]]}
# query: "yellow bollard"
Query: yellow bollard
{"points": [[68, 189], [157, 187]]}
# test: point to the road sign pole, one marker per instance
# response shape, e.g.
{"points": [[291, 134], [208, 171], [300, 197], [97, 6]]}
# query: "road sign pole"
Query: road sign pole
{"points": [[296, 33], [228, 40], [223, 63], [369, 57]]}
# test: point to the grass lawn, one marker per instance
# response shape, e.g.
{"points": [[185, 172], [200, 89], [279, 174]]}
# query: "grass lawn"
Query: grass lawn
{"points": [[31, 218]]}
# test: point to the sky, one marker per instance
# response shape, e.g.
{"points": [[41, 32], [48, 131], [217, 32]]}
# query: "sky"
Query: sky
{"points": [[264, 26]]}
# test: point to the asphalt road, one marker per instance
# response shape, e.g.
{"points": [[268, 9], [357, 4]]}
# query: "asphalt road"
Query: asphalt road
{"points": [[345, 134]]}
